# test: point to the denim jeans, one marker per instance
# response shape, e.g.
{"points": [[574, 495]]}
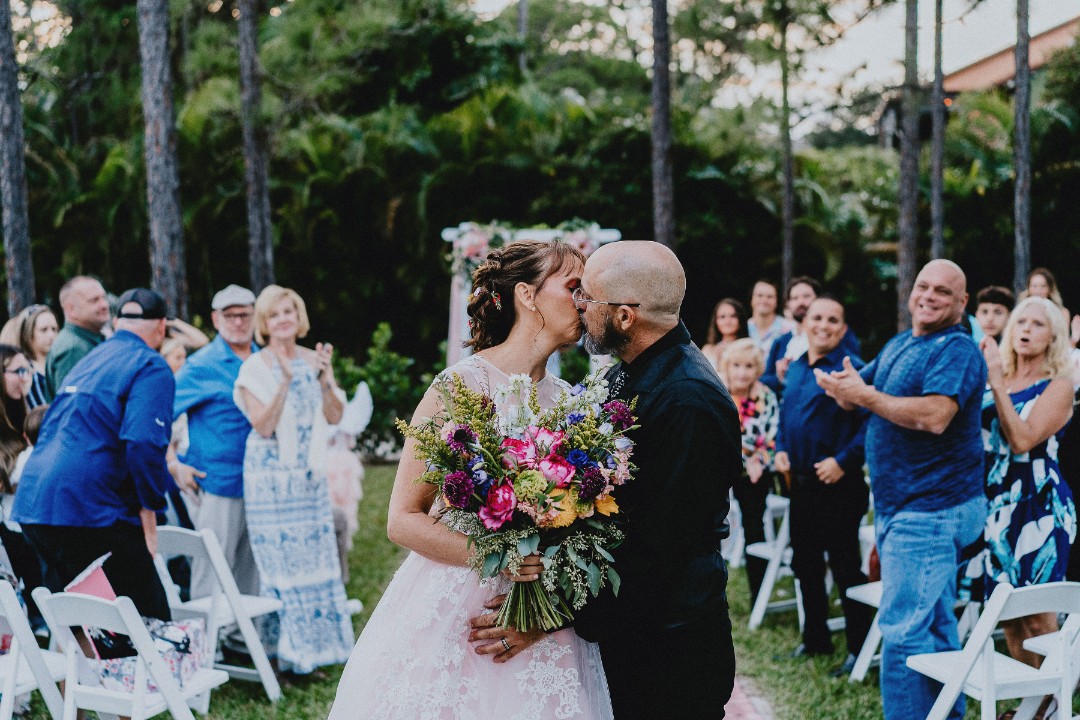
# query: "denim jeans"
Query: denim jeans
{"points": [[919, 554]]}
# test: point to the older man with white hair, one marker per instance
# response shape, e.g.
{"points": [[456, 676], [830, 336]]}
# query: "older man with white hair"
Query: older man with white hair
{"points": [[211, 472], [97, 477]]}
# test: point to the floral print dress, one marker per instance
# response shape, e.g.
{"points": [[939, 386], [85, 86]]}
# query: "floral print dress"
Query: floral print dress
{"points": [[759, 417], [1032, 518]]}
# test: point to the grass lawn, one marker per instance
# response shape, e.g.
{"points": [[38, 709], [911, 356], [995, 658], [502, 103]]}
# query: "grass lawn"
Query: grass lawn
{"points": [[796, 689]]}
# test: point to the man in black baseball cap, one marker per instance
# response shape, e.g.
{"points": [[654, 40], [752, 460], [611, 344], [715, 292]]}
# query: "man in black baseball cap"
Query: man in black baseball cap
{"points": [[98, 476]]}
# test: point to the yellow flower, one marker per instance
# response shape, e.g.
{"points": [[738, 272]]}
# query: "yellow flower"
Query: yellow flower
{"points": [[566, 511], [606, 505]]}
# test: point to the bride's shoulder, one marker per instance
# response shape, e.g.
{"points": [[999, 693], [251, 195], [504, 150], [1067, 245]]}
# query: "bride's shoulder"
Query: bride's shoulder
{"points": [[472, 370]]}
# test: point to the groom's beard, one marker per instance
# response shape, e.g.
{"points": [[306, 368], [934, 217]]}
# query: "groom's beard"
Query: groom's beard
{"points": [[610, 341]]}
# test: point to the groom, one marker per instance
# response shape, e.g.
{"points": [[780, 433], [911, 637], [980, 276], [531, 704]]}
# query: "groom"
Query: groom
{"points": [[666, 639]]}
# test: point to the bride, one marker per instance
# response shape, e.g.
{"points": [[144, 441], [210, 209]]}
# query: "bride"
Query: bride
{"points": [[414, 659]]}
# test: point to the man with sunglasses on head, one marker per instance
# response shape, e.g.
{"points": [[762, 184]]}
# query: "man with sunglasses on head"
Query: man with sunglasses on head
{"points": [[211, 472]]}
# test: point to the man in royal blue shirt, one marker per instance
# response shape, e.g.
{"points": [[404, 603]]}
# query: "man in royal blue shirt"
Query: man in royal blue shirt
{"points": [[212, 471], [801, 291], [821, 446], [924, 450], [97, 477]]}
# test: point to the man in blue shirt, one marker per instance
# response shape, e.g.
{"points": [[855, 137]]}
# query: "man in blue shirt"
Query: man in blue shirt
{"points": [[218, 433], [821, 446], [97, 477], [801, 291], [924, 449]]}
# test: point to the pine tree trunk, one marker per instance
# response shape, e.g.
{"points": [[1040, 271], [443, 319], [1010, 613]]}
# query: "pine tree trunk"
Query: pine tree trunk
{"points": [[523, 31], [937, 149], [663, 185], [787, 211], [909, 168], [1022, 151], [16, 225], [167, 266], [256, 171]]}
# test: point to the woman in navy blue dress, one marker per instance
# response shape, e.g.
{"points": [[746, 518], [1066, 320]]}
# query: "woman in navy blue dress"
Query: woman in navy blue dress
{"points": [[1032, 518]]}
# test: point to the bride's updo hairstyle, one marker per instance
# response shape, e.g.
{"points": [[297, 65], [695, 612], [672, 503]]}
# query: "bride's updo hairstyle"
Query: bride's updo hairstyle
{"points": [[491, 303]]}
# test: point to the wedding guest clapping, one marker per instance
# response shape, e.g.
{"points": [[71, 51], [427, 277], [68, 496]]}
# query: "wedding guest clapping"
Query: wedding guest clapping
{"points": [[741, 368], [289, 395], [726, 325], [1024, 415]]}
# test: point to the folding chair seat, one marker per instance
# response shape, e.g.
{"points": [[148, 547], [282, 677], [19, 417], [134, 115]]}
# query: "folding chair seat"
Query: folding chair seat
{"points": [[26, 667], [82, 691], [981, 672]]}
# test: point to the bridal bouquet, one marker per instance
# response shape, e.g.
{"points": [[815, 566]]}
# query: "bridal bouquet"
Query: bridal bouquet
{"points": [[518, 480]]}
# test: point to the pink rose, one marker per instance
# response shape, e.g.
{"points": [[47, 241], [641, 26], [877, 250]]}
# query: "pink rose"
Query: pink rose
{"points": [[519, 452], [557, 469], [501, 502], [546, 438]]}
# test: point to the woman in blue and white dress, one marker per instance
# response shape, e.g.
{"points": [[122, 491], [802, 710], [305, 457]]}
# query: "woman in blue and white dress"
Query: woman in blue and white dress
{"points": [[1032, 518], [289, 395]]}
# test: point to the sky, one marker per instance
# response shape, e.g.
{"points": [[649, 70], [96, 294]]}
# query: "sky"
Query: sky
{"points": [[873, 50]]}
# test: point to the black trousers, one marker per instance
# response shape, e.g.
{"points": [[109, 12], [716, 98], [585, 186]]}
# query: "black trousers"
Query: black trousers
{"points": [[67, 551], [825, 520], [751, 498], [686, 672]]}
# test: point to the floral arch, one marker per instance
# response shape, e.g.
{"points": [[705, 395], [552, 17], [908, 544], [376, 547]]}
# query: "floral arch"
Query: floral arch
{"points": [[470, 244]]}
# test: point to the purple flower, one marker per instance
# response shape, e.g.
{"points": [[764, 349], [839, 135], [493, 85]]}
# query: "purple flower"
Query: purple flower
{"points": [[621, 417], [574, 418], [577, 458], [461, 436], [458, 489], [592, 484], [577, 389]]}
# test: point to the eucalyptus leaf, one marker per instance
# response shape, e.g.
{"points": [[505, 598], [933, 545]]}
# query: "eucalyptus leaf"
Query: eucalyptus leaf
{"points": [[614, 579], [594, 579]]}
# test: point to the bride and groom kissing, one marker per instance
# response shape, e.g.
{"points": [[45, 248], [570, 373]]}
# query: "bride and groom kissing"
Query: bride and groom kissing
{"points": [[662, 648]]}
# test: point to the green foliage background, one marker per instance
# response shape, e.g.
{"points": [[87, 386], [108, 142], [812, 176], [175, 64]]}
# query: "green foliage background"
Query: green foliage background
{"points": [[391, 119]]}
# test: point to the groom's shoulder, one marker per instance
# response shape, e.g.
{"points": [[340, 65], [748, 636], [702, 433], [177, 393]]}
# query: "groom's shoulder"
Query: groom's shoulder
{"points": [[685, 377]]}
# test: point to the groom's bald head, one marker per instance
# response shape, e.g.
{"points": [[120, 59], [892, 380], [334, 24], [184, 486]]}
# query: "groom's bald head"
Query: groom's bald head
{"points": [[639, 271]]}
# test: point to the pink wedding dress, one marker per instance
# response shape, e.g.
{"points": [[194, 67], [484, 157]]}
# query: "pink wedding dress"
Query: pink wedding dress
{"points": [[413, 660]]}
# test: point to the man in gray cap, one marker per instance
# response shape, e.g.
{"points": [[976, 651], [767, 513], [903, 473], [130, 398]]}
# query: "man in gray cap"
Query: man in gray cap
{"points": [[211, 473]]}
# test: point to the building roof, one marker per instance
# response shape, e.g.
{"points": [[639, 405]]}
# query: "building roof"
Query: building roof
{"points": [[1000, 67]]}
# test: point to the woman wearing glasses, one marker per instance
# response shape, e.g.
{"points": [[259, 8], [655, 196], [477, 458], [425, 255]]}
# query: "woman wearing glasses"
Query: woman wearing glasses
{"points": [[16, 387], [36, 335], [413, 659]]}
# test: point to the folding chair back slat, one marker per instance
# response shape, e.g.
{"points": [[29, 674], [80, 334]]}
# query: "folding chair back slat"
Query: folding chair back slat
{"points": [[24, 647]]}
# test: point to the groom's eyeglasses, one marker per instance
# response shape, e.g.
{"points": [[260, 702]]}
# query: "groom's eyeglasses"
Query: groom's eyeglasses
{"points": [[580, 296]]}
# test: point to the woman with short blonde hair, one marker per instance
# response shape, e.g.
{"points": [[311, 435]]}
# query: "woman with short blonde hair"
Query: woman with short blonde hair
{"points": [[289, 395], [741, 368]]}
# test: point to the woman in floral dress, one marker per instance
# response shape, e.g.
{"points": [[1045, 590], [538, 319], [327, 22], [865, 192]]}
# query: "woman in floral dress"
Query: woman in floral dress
{"points": [[289, 395], [1032, 519], [759, 414]]}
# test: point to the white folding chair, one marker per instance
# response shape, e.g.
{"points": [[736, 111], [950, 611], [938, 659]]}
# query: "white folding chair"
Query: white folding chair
{"points": [[62, 611], [224, 606], [733, 546], [988, 676], [776, 550], [869, 655], [26, 667]]}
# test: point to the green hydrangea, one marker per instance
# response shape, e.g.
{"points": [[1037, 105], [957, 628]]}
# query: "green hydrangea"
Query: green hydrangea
{"points": [[529, 484]]}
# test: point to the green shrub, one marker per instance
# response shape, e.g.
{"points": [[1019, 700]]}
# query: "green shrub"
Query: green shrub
{"points": [[396, 387]]}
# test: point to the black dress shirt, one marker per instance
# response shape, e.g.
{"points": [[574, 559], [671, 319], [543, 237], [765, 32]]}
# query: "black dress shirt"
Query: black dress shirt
{"points": [[687, 451]]}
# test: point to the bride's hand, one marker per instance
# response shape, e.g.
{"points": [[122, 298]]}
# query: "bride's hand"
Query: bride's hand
{"points": [[529, 570], [501, 643]]}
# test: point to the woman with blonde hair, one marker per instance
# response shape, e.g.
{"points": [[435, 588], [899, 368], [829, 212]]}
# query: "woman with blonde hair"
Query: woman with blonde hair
{"points": [[759, 415], [289, 394], [1032, 518]]}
